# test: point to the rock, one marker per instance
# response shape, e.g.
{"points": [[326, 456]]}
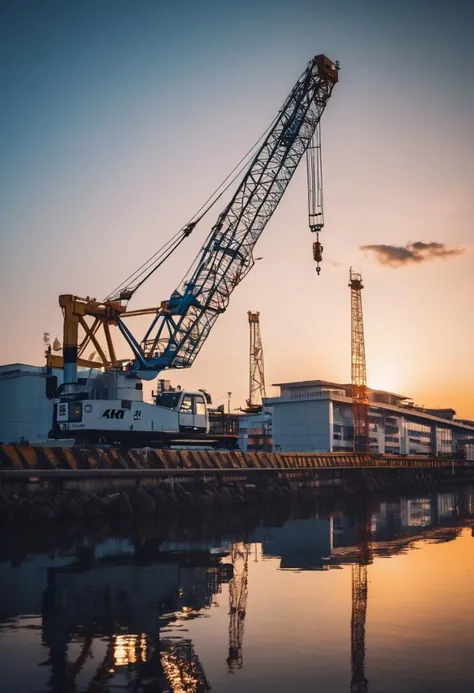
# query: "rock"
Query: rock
{"points": [[41, 500], [43, 513], [224, 498], [96, 507], [21, 512], [83, 501], [142, 503], [186, 499], [59, 499], [264, 495], [5, 515], [199, 500], [172, 500], [159, 495], [71, 510], [211, 495], [207, 499], [239, 489], [161, 499], [120, 507]]}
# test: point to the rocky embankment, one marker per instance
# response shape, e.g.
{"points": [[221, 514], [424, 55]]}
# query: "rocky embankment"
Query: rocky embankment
{"points": [[43, 504]]}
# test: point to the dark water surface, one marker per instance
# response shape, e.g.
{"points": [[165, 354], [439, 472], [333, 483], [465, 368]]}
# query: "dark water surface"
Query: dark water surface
{"points": [[375, 596]]}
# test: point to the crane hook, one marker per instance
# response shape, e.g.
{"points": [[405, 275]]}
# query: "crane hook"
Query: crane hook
{"points": [[317, 253]]}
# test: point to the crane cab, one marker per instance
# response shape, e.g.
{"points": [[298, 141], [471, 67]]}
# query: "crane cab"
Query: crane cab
{"points": [[191, 408]]}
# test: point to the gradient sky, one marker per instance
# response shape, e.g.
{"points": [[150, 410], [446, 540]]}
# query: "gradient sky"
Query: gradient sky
{"points": [[119, 119]]}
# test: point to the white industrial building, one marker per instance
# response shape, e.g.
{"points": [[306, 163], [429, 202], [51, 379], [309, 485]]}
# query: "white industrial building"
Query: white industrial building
{"points": [[255, 431], [316, 415], [25, 411]]}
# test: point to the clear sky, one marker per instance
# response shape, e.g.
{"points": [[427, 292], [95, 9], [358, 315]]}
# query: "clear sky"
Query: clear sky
{"points": [[119, 118]]}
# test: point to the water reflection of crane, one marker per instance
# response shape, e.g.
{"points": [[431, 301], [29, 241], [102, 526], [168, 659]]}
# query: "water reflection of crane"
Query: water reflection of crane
{"points": [[238, 591], [146, 661], [359, 683], [183, 670]]}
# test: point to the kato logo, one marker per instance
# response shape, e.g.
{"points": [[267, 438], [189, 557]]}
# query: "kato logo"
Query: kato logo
{"points": [[113, 414]]}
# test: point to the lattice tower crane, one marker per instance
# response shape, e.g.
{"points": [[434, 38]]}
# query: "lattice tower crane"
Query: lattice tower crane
{"points": [[183, 669], [359, 683], [238, 592], [360, 399], [180, 325], [256, 370]]}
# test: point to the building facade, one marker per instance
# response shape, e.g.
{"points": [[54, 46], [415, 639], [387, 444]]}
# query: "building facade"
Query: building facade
{"points": [[316, 415], [25, 411], [255, 431]]}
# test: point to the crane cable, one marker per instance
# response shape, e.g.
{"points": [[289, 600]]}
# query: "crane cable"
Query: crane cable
{"points": [[241, 165], [129, 286], [314, 176]]}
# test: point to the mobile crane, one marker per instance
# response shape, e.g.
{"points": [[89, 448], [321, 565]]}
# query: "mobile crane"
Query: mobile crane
{"points": [[111, 408]]}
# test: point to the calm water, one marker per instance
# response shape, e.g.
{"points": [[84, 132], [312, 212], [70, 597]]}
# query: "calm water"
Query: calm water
{"points": [[324, 598]]}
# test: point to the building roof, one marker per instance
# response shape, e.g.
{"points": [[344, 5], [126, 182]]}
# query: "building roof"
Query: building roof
{"points": [[310, 383], [11, 368], [336, 386], [407, 409]]}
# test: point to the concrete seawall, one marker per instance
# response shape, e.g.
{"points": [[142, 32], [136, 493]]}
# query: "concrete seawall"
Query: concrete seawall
{"points": [[30, 458], [42, 484]]}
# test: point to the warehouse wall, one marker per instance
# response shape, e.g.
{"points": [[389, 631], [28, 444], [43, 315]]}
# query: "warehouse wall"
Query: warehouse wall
{"points": [[301, 426], [25, 411]]}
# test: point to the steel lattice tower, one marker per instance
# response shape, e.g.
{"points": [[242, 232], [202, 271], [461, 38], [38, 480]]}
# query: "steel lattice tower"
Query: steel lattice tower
{"points": [[360, 399], [359, 683], [238, 593], [256, 375]]}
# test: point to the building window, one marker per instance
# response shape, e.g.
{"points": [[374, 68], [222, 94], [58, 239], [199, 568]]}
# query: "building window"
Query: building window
{"points": [[444, 440], [187, 404], [419, 438], [200, 407]]}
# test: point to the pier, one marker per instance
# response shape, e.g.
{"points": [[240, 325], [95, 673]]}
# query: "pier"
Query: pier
{"points": [[39, 484], [20, 458]]}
